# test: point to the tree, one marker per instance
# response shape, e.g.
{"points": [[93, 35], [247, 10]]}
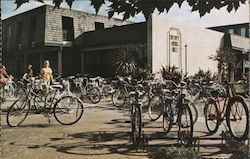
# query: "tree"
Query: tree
{"points": [[130, 8], [226, 58], [125, 63]]}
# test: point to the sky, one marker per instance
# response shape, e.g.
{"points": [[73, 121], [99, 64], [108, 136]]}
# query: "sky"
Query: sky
{"points": [[183, 14]]}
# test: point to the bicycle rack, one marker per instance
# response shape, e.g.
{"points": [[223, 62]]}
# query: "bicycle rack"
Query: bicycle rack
{"points": [[195, 142], [227, 139], [143, 143]]}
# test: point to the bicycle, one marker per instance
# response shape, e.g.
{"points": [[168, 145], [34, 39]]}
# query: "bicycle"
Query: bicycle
{"points": [[86, 86], [136, 116], [155, 109], [120, 95], [105, 88], [233, 109], [45, 101]]}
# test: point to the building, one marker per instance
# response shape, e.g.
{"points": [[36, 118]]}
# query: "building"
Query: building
{"points": [[77, 42], [48, 33], [237, 29], [237, 38]]}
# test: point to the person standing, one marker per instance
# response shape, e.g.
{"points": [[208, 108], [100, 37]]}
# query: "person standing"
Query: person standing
{"points": [[46, 76], [46, 71]]}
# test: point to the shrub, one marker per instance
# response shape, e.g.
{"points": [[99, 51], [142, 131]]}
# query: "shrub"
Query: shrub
{"points": [[171, 73], [173, 153]]}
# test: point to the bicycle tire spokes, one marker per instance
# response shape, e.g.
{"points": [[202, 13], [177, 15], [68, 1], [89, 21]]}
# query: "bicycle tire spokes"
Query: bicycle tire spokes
{"points": [[18, 112], [68, 110], [237, 119], [185, 124]]}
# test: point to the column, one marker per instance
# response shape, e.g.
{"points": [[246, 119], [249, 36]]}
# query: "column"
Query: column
{"points": [[82, 62], [25, 62], [59, 61], [41, 60]]}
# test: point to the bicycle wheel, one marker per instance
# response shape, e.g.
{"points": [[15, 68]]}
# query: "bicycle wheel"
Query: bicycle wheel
{"points": [[211, 116], [78, 93], [18, 112], [119, 98], [167, 118], [68, 110], [237, 118], [11, 90], [107, 93], [20, 90], [185, 123], [194, 111], [94, 95], [155, 107], [136, 124]]}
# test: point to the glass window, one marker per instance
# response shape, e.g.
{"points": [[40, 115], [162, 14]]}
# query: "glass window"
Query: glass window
{"points": [[9, 32], [243, 32], [33, 29], [231, 31], [19, 34], [99, 26], [67, 28]]}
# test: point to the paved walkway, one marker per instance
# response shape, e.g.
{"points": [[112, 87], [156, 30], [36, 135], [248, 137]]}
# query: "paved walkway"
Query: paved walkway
{"points": [[103, 132]]}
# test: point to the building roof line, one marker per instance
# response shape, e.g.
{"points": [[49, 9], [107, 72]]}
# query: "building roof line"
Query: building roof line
{"points": [[51, 6], [227, 25]]}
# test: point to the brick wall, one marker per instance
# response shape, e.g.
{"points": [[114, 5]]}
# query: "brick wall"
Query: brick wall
{"points": [[82, 22]]}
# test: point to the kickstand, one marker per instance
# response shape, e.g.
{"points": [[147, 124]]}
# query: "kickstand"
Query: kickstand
{"points": [[49, 121]]}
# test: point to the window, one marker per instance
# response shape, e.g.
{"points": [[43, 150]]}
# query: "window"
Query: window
{"points": [[19, 34], [68, 28], [33, 30], [243, 32], [8, 36], [99, 26], [231, 31]]}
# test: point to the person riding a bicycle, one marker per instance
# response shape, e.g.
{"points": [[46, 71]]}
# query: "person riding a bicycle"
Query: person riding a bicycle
{"points": [[4, 77]]}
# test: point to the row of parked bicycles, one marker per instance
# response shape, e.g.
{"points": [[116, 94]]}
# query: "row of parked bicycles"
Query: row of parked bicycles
{"points": [[176, 104]]}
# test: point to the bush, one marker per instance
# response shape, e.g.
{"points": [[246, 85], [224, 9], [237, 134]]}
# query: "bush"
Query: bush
{"points": [[142, 73], [239, 151], [171, 73], [173, 153], [204, 75]]}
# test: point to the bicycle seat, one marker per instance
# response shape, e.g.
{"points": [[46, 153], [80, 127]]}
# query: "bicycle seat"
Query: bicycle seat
{"points": [[164, 91], [135, 94], [57, 86]]}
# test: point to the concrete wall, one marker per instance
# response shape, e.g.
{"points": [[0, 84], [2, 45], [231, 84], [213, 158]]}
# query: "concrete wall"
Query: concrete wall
{"points": [[82, 22], [201, 43]]}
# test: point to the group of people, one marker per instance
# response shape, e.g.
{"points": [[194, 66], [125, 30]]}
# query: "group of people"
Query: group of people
{"points": [[45, 73]]}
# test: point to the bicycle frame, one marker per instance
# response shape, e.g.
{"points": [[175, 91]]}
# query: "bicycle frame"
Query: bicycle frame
{"points": [[222, 108], [31, 95]]}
